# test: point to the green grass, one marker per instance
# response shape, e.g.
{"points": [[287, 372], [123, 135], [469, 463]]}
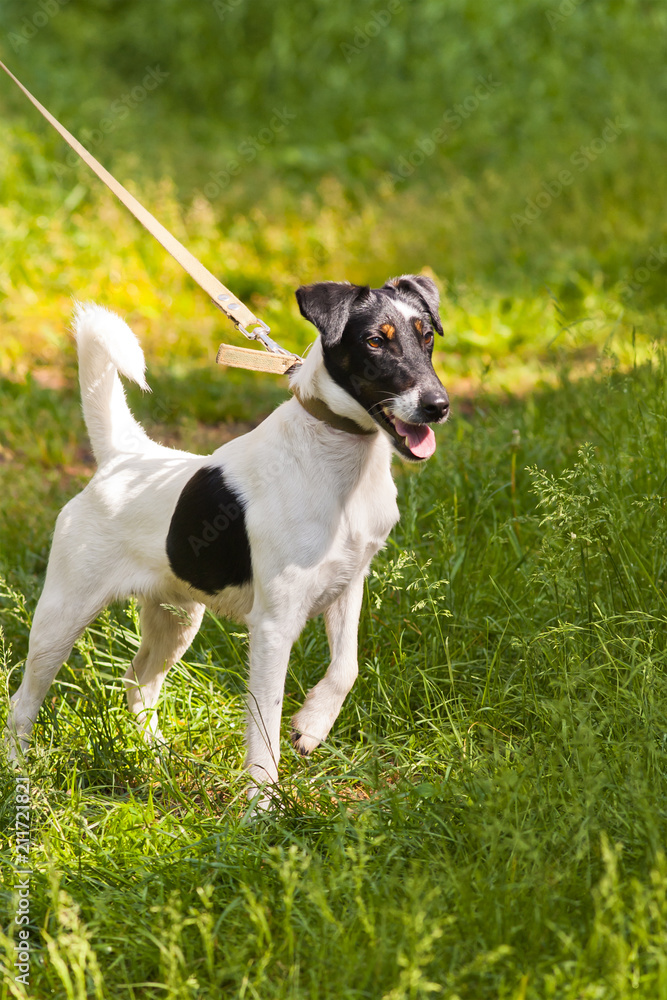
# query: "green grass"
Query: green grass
{"points": [[488, 820], [489, 816]]}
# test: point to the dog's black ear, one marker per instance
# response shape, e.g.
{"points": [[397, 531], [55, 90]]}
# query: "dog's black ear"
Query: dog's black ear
{"points": [[424, 288], [327, 305]]}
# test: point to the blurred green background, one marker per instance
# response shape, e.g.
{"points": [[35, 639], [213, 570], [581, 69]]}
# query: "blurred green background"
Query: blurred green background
{"points": [[514, 149]]}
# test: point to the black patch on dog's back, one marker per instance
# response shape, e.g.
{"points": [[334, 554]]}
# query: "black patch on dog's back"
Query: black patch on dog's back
{"points": [[207, 542]]}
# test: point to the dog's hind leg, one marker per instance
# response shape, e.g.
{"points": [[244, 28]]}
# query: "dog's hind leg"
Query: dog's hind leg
{"points": [[60, 617], [312, 722], [166, 633], [75, 590]]}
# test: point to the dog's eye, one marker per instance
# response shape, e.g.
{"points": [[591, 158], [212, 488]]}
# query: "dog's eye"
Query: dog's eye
{"points": [[375, 341], [428, 338]]}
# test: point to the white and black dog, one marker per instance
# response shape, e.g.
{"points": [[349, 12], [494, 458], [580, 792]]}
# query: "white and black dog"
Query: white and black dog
{"points": [[273, 528]]}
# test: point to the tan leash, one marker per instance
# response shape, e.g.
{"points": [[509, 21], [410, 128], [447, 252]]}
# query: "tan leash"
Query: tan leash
{"points": [[277, 360], [256, 361]]}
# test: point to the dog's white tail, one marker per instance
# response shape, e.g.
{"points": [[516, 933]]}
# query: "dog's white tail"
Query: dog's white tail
{"points": [[107, 346]]}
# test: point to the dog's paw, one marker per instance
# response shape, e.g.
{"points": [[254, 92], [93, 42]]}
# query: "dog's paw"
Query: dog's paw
{"points": [[312, 723], [149, 730], [15, 748], [155, 739], [262, 801], [303, 743]]}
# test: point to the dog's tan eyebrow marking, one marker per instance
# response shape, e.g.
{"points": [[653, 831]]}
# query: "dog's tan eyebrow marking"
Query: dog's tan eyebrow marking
{"points": [[419, 326], [388, 330]]}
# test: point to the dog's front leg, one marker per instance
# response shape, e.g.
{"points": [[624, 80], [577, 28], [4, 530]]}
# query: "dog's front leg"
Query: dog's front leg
{"points": [[270, 647], [312, 722]]}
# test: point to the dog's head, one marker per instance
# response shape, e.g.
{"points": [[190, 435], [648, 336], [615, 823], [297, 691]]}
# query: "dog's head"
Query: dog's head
{"points": [[377, 345]]}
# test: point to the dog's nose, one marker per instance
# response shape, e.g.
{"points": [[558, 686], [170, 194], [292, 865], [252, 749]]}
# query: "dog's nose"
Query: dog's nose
{"points": [[435, 405]]}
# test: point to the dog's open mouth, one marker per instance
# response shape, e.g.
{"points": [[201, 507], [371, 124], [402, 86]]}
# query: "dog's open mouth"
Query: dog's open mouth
{"points": [[413, 440]]}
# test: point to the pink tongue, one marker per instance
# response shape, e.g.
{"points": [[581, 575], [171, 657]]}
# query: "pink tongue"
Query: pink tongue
{"points": [[421, 439]]}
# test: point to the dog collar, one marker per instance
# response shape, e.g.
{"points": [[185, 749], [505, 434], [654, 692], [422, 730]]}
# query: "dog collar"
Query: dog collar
{"points": [[319, 409]]}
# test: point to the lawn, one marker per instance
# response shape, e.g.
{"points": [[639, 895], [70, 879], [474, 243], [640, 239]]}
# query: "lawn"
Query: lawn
{"points": [[488, 819]]}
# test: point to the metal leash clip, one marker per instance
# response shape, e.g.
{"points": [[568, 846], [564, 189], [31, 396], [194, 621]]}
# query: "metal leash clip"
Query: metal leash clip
{"points": [[275, 359], [262, 335]]}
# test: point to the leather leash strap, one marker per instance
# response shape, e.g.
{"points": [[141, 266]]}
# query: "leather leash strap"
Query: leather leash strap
{"points": [[225, 300]]}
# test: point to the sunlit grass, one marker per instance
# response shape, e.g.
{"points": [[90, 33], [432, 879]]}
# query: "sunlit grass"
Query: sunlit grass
{"points": [[527, 306]]}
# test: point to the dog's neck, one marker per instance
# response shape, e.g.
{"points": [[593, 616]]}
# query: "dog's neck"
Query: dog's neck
{"points": [[322, 397], [321, 411]]}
